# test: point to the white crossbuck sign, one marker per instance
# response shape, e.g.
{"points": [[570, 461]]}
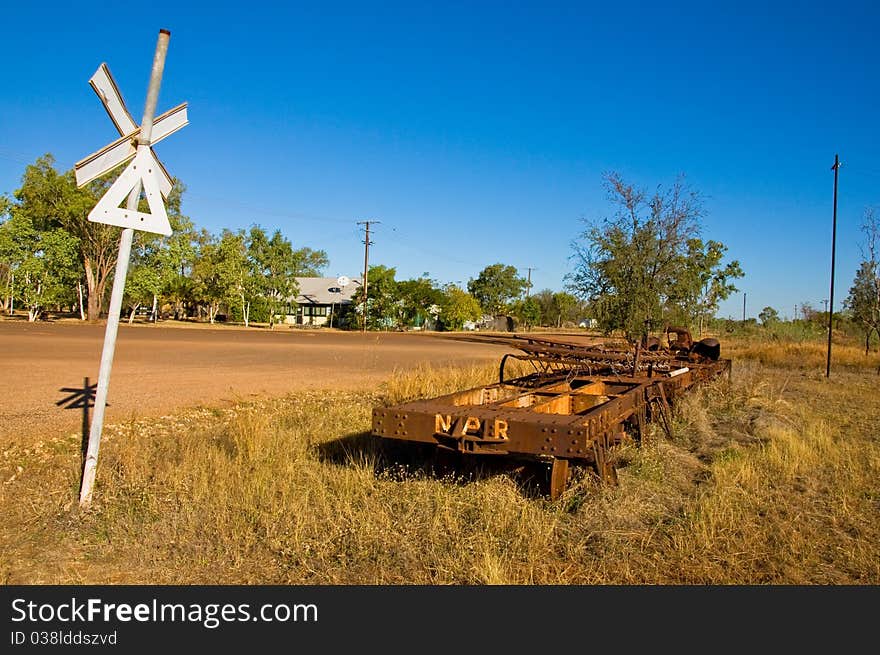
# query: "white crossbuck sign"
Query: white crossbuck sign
{"points": [[144, 168]]}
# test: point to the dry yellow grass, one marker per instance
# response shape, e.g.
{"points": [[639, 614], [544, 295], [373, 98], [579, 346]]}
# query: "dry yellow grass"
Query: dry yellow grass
{"points": [[430, 381], [770, 479], [804, 354]]}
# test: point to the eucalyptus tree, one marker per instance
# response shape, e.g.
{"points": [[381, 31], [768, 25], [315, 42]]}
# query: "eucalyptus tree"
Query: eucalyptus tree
{"points": [[645, 264], [457, 307], [41, 264], [864, 295], [51, 200], [496, 286], [276, 265]]}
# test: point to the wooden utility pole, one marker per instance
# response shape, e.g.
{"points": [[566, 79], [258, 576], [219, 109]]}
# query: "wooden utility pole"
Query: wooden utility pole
{"points": [[367, 243], [529, 283], [835, 168]]}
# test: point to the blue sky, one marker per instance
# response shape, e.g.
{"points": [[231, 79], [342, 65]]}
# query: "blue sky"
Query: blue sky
{"points": [[479, 132]]}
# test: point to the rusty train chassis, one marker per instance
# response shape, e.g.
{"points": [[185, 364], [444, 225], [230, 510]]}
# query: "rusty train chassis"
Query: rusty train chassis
{"points": [[578, 404]]}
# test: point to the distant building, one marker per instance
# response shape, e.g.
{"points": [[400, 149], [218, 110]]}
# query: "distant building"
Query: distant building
{"points": [[498, 323], [319, 299]]}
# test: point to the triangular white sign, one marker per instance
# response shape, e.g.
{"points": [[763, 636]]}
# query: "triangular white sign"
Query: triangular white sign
{"points": [[108, 211]]}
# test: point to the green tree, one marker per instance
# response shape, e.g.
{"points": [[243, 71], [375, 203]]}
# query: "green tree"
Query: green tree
{"points": [[210, 285], [768, 316], [863, 301], [41, 263], [156, 267], [527, 311], [274, 268], [176, 257], [566, 307], [309, 263], [457, 307], [557, 307], [385, 308], [223, 273], [51, 200], [9, 255], [495, 287], [417, 296], [143, 282], [544, 299], [633, 267], [239, 272], [702, 283], [276, 265]]}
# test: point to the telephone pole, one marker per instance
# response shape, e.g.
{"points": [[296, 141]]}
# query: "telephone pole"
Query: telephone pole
{"points": [[744, 307], [367, 243], [529, 283], [835, 168]]}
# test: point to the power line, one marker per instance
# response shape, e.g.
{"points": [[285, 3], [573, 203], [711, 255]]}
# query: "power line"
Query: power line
{"points": [[18, 157], [407, 243], [866, 172], [265, 212]]}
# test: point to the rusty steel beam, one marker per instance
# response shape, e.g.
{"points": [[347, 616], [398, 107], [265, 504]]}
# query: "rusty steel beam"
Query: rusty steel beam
{"points": [[561, 415]]}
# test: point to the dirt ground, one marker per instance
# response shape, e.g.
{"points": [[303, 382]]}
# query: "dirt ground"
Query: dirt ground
{"points": [[160, 368]]}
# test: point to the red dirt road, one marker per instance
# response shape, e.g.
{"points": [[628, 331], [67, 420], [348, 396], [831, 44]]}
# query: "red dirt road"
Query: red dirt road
{"points": [[160, 368]]}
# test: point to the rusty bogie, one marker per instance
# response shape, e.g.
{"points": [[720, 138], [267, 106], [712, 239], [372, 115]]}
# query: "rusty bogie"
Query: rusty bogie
{"points": [[567, 413]]}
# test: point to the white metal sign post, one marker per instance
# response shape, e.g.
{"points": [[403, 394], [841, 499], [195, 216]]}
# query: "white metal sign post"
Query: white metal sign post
{"points": [[144, 170]]}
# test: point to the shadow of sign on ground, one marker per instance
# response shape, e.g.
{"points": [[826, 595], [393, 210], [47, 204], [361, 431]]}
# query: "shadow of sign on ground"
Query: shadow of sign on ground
{"points": [[82, 398]]}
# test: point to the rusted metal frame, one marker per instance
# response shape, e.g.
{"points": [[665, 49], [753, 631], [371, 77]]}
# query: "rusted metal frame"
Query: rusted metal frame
{"points": [[640, 427], [501, 366], [656, 391], [559, 472], [577, 354], [499, 428], [665, 410], [597, 358], [604, 465], [623, 368], [593, 366], [660, 396], [548, 348], [572, 367], [581, 437]]}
